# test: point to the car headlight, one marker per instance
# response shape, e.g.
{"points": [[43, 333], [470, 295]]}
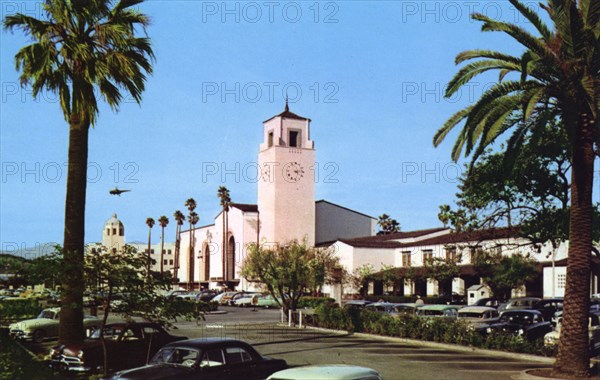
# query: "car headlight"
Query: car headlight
{"points": [[520, 332], [80, 354], [489, 330]]}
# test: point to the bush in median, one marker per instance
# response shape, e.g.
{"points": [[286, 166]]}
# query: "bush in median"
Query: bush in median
{"points": [[19, 309], [442, 330]]}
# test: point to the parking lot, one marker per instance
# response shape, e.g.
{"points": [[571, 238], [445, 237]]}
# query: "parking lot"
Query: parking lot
{"points": [[393, 358]]}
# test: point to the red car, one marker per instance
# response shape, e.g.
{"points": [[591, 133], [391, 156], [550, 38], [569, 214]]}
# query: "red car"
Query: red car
{"points": [[128, 345]]}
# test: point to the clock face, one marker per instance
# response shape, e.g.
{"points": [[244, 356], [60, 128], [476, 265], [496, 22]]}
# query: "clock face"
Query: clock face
{"points": [[293, 172]]}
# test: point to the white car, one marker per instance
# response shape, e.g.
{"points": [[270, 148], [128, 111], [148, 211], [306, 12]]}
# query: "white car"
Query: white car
{"points": [[46, 325], [551, 338], [327, 372]]}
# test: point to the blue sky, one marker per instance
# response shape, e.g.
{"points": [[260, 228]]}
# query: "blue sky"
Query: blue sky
{"points": [[369, 74]]}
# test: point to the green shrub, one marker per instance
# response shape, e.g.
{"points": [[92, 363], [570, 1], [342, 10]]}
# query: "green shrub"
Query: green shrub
{"points": [[15, 363], [19, 309], [443, 330], [312, 302]]}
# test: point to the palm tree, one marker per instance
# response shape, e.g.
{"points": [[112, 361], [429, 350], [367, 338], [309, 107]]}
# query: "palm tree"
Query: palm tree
{"points": [[79, 48], [558, 78], [163, 221], [387, 225], [192, 217], [150, 223], [179, 218], [225, 201]]}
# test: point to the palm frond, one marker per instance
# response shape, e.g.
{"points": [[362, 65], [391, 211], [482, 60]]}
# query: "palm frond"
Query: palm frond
{"points": [[471, 70], [533, 18]]}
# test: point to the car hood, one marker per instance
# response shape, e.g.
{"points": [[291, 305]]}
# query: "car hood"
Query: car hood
{"points": [[30, 323], [154, 372]]}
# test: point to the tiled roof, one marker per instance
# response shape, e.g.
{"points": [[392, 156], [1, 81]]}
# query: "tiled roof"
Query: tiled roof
{"points": [[387, 241], [287, 114], [469, 236]]}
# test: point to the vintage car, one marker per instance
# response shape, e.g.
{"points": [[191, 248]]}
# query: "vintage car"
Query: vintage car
{"points": [[380, 307], [328, 371], [405, 308], [46, 325], [549, 306], [529, 324], [448, 311], [209, 358], [551, 339], [356, 304], [128, 345], [477, 314], [519, 303]]}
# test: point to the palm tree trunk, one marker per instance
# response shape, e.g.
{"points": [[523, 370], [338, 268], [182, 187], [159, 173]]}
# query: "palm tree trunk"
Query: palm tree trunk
{"points": [[224, 251], [573, 351], [162, 248], [191, 260], [227, 246], [149, 247], [71, 317], [177, 243]]}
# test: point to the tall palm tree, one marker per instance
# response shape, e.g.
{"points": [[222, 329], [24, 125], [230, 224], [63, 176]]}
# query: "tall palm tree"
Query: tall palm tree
{"points": [[80, 47], [192, 217], [557, 77], [225, 201], [180, 219], [150, 223], [163, 221]]}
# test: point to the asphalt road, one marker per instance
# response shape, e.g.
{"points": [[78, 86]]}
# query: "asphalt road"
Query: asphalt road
{"points": [[393, 358]]}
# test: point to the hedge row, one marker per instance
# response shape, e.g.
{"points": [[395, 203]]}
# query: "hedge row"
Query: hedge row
{"points": [[312, 302], [19, 309], [442, 330]]}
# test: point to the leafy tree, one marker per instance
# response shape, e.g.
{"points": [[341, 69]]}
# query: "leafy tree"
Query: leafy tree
{"points": [[502, 273], [558, 77], [46, 269], [81, 49], [125, 276], [389, 276], [443, 271], [387, 225], [360, 276], [288, 271]]}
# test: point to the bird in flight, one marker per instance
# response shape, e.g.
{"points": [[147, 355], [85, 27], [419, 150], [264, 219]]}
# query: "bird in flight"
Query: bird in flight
{"points": [[118, 192]]}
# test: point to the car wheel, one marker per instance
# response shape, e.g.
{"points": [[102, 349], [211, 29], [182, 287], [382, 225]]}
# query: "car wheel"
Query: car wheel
{"points": [[38, 336]]}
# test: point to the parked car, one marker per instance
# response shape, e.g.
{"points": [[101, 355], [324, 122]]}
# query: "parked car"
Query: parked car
{"points": [[551, 338], [210, 358], [239, 295], [380, 307], [267, 301], [548, 307], [453, 299], [519, 303], [450, 311], [46, 325], [477, 314], [489, 302], [206, 295], [245, 300], [405, 308], [527, 323], [225, 298], [128, 345], [327, 371]]}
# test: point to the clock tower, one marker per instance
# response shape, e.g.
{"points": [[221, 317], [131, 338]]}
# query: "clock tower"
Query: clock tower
{"points": [[286, 187]]}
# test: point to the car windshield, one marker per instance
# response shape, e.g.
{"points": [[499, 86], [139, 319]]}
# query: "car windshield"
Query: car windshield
{"points": [[430, 312], [175, 355], [47, 314]]}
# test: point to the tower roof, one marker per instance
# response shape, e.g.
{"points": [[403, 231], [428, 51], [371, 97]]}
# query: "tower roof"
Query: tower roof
{"points": [[113, 221], [287, 114]]}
